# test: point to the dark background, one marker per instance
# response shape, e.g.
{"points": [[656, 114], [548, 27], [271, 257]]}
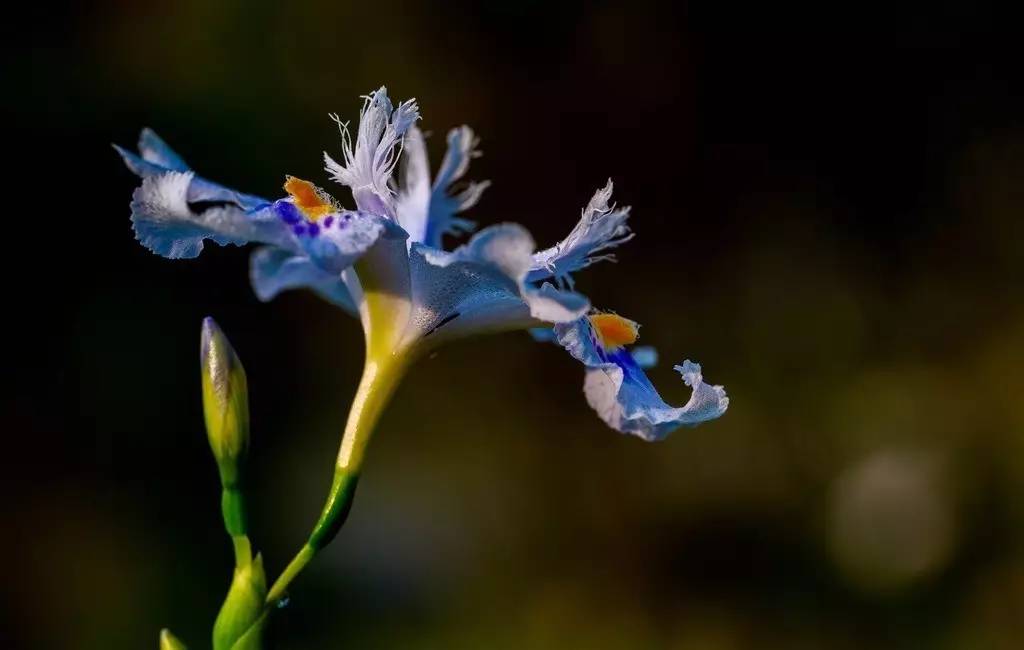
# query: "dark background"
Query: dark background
{"points": [[829, 213]]}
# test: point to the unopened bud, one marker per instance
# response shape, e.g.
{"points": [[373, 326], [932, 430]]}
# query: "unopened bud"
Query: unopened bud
{"points": [[225, 401], [170, 642]]}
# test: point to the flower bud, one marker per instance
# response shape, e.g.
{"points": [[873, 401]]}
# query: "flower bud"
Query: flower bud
{"points": [[240, 621], [170, 642], [225, 402]]}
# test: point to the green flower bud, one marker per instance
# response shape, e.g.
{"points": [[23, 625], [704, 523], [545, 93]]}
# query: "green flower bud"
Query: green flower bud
{"points": [[240, 621], [225, 402], [170, 642]]}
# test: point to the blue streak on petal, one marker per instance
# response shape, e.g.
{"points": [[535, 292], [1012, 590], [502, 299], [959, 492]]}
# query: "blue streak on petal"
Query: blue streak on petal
{"points": [[335, 249], [287, 212]]}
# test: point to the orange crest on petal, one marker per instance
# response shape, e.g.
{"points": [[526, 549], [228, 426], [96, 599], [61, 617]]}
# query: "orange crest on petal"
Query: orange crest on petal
{"points": [[614, 331], [309, 199]]}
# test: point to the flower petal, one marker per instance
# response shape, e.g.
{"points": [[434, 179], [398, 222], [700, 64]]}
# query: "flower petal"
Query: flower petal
{"points": [[413, 201], [368, 165], [618, 390], [155, 150], [338, 240], [273, 270], [481, 287], [158, 158], [166, 224], [426, 212], [549, 304], [600, 228], [462, 147]]}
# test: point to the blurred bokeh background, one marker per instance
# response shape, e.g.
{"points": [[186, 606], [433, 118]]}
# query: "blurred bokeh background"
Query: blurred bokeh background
{"points": [[828, 207]]}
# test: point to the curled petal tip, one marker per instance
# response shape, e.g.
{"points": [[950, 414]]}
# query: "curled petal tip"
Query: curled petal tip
{"points": [[618, 390]]}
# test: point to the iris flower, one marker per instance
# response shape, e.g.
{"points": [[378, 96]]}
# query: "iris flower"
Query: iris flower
{"points": [[383, 260]]}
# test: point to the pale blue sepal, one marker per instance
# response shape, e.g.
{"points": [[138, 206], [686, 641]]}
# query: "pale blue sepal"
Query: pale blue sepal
{"points": [[618, 390], [273, 270], [481, 287], [166, 224]]}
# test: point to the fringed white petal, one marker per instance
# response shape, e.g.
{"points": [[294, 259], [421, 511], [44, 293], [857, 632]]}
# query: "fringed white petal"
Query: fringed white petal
{"points": [[370, 161], [601, 227], [463, 146], [428, 211]]}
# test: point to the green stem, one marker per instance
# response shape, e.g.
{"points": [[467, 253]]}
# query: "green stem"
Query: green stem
{"points": [[293, 569], [243, 550], [375, 389], [232, 508]]}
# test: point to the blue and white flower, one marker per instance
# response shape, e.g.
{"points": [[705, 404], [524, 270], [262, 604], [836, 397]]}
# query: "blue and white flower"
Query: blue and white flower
{"points": [[384, 260]]}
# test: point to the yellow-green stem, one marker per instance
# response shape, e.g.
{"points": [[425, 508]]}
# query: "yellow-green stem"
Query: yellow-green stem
{"points": [[243, 550], [297, 564], [380, 378]]}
